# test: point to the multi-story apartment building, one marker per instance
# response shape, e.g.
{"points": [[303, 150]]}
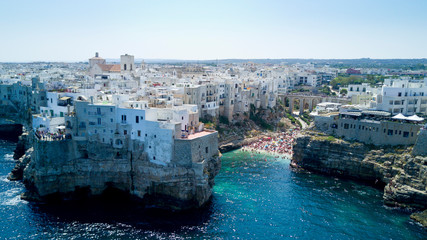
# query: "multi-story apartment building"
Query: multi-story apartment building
{"points": [[403, 96]]}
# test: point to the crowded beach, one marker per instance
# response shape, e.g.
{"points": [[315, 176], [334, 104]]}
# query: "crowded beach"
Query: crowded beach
{"points": [[277, 144]]}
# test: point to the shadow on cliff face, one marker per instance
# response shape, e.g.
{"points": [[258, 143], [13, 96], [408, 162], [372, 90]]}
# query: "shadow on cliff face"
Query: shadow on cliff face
{"points": [[116, 209], [10, 132]]}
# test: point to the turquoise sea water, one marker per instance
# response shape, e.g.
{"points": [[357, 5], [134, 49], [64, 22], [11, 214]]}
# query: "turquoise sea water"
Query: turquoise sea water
{"points": [[255, 197]]}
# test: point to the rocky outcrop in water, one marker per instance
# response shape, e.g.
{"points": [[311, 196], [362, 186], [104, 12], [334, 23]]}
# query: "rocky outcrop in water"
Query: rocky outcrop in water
{"points": [[70, 170], [23, 144], [420, 217], [403, 175], [22, 154]]}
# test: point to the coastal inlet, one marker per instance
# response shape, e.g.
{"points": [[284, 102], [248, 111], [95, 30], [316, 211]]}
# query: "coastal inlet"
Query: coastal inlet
{"points": [[256, 196]]}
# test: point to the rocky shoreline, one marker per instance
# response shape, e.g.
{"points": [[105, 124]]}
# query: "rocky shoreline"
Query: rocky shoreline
{"points": [[402, 175], [67, 171], [238, 143]]}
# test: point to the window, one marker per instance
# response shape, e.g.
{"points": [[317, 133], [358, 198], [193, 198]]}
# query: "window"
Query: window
{"points": [[137, 119], [142, 118], [207, 150], [145, 134], [384, 130], [154, 157], [111, 109], [155, 136], [390, 132], [98, 110], [139, 133], [412, 134], [399, 94], [391, 102], [405, 134], [346, 126], [125, 132], [99, 121]]}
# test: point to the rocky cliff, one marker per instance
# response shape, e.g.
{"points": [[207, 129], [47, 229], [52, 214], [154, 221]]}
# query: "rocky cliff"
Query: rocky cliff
{"points": [[403, 175], [71, 169]]}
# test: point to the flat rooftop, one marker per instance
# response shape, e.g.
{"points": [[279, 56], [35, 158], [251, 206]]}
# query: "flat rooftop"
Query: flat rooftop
{"points": [[197, 135]]}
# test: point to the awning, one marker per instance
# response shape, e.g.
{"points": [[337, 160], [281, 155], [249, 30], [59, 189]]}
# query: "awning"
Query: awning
{"points": [[400, 117], [64, 98], [415, 118]]}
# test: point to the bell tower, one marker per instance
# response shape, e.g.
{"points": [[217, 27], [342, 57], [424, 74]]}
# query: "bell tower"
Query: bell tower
{"points": [[127, 63]]}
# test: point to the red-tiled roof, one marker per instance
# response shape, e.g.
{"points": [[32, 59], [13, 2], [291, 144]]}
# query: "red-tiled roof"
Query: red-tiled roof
{"points": [[110, 67]]}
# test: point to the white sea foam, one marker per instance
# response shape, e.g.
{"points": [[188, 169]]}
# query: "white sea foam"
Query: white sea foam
{"points": [[11, 197], [13, 201], [4, 178], [8, 157]]}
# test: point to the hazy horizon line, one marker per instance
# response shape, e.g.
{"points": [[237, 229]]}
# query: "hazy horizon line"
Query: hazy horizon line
{"points": [[208, 60]]}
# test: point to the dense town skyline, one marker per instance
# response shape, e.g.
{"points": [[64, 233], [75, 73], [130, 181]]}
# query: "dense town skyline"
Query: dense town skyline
{"points": [[191, 30]]}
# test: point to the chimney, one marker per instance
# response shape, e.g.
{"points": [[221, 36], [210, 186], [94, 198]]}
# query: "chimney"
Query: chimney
{"points": [[96, 54]]}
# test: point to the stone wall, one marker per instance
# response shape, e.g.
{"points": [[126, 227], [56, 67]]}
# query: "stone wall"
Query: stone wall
{"points": [[420, 147], [197, 149]]}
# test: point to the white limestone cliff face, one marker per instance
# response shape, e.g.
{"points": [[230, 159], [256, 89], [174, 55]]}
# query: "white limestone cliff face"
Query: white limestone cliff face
{"points": [[70, 169], [403, 175]]}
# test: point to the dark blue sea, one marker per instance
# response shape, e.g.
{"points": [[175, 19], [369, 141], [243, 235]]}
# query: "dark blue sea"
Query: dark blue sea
{"points": [[255, 197]]}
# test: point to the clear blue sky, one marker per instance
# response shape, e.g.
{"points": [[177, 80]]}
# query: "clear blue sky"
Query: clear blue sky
{"points": [[74, 30]]}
